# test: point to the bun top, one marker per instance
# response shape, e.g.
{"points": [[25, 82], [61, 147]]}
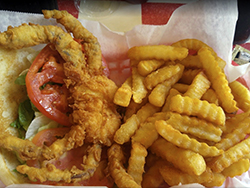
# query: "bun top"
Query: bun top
{"points": [[12, 63]]}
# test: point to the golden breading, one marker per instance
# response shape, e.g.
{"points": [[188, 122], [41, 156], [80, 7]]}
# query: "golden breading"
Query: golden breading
{"points": [[94, 118]]}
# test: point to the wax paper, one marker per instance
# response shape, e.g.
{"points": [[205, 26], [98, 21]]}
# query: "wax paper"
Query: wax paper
{"points": [[210, 21]]}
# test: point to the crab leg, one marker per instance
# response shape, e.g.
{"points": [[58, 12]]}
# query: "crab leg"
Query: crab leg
{"points": [[91, 45], [50, 173], [25, 149], [31, 35]]}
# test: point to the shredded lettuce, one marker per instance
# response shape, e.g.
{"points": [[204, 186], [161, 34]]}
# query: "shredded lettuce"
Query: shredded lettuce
{"points": [[20, 80], [40, 122]]}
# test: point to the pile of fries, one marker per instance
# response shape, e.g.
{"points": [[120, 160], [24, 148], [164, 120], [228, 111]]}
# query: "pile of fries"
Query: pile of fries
{"points": [[181, 123]]}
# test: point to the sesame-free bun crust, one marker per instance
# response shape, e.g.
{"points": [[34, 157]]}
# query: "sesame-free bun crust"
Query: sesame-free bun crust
{"points": [[12, 63]]}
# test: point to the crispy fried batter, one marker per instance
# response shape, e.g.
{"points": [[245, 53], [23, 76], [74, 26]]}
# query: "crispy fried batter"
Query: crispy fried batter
{"points": [[94, 117], [93, 92], [49, 172], [74, 139], [91, 44], [25, 149]]}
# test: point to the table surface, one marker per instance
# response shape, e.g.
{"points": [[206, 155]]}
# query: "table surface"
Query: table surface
{"points": [[28, 5]]}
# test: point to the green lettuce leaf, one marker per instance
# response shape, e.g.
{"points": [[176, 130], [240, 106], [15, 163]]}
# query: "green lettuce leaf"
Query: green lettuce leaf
{"points": [[25, 116]]}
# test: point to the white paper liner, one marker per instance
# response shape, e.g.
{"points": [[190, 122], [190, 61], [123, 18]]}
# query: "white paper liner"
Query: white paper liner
{"points": [[210, 21]]}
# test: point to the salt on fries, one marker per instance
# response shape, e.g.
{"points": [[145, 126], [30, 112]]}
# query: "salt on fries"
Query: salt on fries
{"points": [[180, 114]]}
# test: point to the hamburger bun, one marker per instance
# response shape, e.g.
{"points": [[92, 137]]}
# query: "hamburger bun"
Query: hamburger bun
{"points": [[12, 63]]}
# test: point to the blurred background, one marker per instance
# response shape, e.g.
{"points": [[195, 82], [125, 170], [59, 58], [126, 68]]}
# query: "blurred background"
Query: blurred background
{"points": [[242, 31]]}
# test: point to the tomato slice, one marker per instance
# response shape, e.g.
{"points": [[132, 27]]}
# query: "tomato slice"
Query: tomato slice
{"points": [[45, 85], [48, 136]]}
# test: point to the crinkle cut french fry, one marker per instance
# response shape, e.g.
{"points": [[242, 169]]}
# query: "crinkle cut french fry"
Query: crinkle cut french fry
{"points": [[147, 134], [221, 63], [145, 67], [137, 161], [241, 95], [127, 129], [232, 121], [195, 126], [191, 44], [198, 87], [159, 52], [237, 168], [210, 96], [162, 74], [152, 177], [217, 180], [187, 160], [184, 141], [182, 88], [247, 156], [172, 93], [194, 115], [196, 45], [191, 61], [218, 80], [230, 156], [124, 93], [133, 107], [188, 76], [138, 88], [174, 176], [241, 129], [158, 95], [146, 111], [118, 172], [151, 160], [199, 108]]}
